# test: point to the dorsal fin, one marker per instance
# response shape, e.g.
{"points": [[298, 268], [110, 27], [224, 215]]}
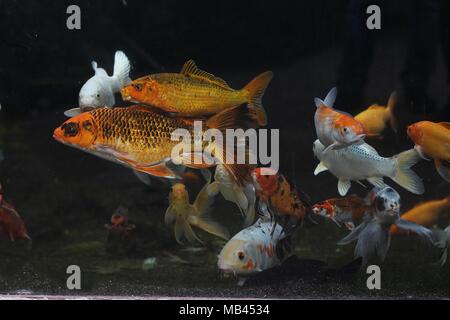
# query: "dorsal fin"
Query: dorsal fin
{"points": [[191, 69]]}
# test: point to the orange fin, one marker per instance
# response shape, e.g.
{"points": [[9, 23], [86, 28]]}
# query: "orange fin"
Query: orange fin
{"points": [[191, 69], [255, 90], [390, 106], [443, 171], [158, 170]]}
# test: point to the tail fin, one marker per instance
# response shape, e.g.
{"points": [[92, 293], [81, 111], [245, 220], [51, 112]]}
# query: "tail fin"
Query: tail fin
{"points": [[202, 204], [329, 99], [121, 68], [390, 106], [404, 176], [255, 90], [237, 117], [443, 171]]}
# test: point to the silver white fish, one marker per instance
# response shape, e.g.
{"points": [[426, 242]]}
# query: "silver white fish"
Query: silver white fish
{"points": [[253, 249], [362, 162], [374, 237], [243, 197], [99, 90]]}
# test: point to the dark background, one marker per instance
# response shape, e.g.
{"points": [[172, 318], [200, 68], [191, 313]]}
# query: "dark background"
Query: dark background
{"points": [[66, 196]]}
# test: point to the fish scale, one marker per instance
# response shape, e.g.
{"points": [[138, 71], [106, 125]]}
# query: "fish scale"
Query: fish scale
{"points": [[146, 136]]}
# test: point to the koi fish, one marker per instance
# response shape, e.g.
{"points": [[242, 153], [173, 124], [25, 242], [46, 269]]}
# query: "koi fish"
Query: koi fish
{"points": [[375, 118], [426, 214], [194, 92], [432, 140], [355, 163], [336, 129], [185, 215], [349, 211], [119, 222], [11, 224], [99, 90], [278, 198], [140, 138], [243, 196], [254, 249], [373, 236]]}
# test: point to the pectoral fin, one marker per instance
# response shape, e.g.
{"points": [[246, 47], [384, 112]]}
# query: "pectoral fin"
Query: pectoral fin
{"points": [[443, 171], [343, 186], [421, 153], [320, 168]]}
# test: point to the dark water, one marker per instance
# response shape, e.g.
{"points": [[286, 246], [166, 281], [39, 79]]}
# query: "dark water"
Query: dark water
{"points": [[66, 196]]}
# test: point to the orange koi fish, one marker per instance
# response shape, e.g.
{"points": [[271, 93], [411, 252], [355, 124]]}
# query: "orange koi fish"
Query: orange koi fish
{"points": [[11, 224], [433, 140], [194, 92], [375, 118], [140, 138], [278, 197], [349, 211], [426, 214], [336, 129]]}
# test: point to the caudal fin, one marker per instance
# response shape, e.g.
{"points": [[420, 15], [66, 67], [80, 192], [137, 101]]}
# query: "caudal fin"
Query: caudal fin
{"points": [[121, 69], [404, 176], [234, 118], [390, 106], [255, 90], [202, 205]]}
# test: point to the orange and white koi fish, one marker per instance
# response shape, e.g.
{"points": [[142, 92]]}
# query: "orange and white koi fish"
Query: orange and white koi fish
{"points": [[349, 211], [433, 140], [278, 198], [336, 129], [375, 118], [140, 138], [11, 224], [373, 236], [194, 92], [243, 196], [426, 214], [362, 162], [184, 214], [254, 249]]}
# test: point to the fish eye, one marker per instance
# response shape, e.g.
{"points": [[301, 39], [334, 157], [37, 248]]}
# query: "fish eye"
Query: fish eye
{"points": [[346, 130], [98, 95], [241, 255], [70, 129], [137, 86]]}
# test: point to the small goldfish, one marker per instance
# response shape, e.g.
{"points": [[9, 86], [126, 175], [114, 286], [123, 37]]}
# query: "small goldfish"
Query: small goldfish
{"points": [[99, 90], [243, 196], [254, 249], [140, 138], [11, 224], [373, 236], [349, 211], [186, 215], [119, 222], [278, 198], [433, 140], [375, 118], [426, 214], [194, 92], [355, 163], [336, 129]]}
